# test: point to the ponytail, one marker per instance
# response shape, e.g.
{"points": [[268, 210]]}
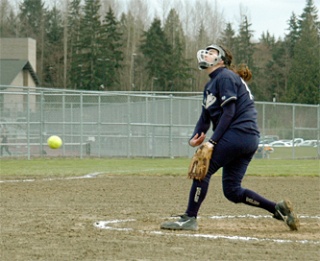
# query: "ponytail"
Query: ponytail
{"points": [[242, 69]]}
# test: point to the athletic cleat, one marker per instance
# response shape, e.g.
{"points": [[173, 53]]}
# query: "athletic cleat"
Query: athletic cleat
{"points": [[284, 212], [184, 223]]}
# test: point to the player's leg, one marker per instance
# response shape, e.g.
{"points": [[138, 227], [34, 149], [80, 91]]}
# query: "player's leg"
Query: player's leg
{"points": [[231, 179], [232, 176], [197, 194], [225, 151]]}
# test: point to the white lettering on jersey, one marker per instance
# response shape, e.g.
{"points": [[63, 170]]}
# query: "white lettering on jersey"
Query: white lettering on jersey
{"points": [[210, 100], [245, 84]]}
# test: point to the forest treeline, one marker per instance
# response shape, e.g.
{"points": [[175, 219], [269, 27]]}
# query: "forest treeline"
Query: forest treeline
{"points": [[96, 45]]}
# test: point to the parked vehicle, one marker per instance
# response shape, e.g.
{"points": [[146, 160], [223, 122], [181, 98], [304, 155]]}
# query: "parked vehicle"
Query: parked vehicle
{"points": [[281, 143], [309, 143], [298, 141], [266, 139]]}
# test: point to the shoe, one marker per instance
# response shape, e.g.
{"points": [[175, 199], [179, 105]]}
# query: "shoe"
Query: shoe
{"points": [[184, 223], [284, 212]]}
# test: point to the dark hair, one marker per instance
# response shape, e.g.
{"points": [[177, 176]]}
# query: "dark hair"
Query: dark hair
{"points": [[242, 69], [228, 56]]}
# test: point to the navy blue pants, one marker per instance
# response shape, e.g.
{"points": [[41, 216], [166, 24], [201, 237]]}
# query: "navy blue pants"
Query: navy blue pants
{"points": [[233, 154]]}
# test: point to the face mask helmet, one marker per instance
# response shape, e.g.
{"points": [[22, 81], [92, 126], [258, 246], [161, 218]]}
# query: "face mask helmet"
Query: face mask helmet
{"points": [[202, 54]]}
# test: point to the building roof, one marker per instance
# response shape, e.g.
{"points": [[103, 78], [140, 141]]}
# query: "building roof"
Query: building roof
{"points": [[10, 68]]}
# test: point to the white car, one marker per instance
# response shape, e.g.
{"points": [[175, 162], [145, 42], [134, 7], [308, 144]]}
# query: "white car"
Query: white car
{"points": [[280, 143], [309, 143]]}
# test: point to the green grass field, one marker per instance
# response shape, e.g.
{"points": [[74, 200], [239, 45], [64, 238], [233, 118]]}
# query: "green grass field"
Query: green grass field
{"points": [[64, 167]]}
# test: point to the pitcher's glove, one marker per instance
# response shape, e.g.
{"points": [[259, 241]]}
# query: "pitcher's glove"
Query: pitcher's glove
{"points": [[200, 161]]}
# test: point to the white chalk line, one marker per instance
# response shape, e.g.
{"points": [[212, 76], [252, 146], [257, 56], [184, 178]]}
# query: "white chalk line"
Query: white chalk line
{"points": [[87, 176], [258, 216], [107, 225]]}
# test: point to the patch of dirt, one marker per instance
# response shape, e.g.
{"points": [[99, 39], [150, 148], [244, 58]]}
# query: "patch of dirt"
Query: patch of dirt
{"points": [[54, 220]]}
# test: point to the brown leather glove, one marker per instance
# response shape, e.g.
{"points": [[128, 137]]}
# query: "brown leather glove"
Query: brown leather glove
{"points": [[200, 161]]}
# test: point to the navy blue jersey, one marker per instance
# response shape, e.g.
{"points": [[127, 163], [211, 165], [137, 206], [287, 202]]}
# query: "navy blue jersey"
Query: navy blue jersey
{"points": [[227, 87]]}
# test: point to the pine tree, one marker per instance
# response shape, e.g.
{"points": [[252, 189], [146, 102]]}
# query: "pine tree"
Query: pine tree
{"points": [[127, 29], [31, 17], [244, 51], [227, 38], [245, 47], [157, 52], [32, 20], [89, 48], [263, 75], [8, 21], [110, 55], [304, 75], [179, 76], [203, 41], [53, 67], [293, 35], [74, 63]]}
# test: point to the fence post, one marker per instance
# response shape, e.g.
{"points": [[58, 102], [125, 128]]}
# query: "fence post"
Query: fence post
{"points": [[263, 120], [318, 142], [293, 129], [153, 124], [41, 123], [129, 127], [146, 127], [99, 125], [170, 128], [63, 121], [28, 124], [81, 125]]}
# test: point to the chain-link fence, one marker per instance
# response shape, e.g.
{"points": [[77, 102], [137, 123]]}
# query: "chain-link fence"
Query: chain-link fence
{"points": [[118, 124]]}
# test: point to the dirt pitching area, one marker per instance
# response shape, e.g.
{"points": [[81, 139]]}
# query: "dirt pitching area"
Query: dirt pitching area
{"points": [[118, 217]]}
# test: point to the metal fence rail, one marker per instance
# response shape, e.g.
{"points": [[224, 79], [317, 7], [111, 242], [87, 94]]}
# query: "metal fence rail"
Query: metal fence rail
{"points": [[135, 124]]}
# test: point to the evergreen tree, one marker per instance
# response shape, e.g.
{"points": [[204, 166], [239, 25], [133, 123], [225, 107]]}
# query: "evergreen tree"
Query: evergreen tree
{"points": [[244, 51], [227, 38], [263, 74], [127, 29], [32, 20], [110, 55], [53, 66], [245, 47], [89, 46], [179, 68], [202, 41], [267, 39], [157, 53], [304, 75], [309, 10], [276, 71], [74, 63], [293, 35], [8, 20], [31, 17]]}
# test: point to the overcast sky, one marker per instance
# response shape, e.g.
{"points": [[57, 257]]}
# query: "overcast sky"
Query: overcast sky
{"points": [[265, 15]]}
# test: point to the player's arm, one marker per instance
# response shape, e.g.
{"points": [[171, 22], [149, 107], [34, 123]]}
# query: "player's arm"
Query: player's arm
{"points": [[201, 129], [227, 115]]}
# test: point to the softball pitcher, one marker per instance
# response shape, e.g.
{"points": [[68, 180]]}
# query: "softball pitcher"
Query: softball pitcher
{"points": [[229, 106]]}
